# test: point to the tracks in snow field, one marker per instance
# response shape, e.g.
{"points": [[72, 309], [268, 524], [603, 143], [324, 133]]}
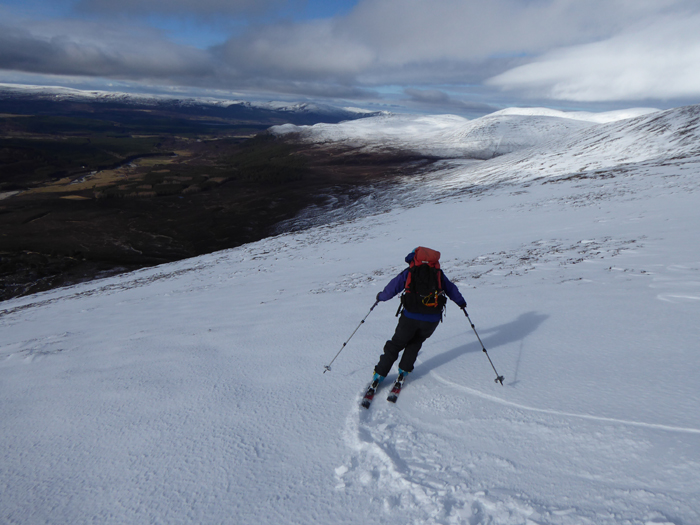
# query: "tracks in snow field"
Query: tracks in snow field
{"points": [[415, 476], [653, 426], [463, 466]]}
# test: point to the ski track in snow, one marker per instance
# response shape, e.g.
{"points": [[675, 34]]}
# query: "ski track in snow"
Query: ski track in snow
{"points": [[416, 478], [495, 399]]}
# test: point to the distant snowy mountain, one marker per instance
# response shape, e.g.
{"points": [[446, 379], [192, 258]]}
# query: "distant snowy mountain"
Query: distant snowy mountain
{"points": [[453, 136], [319, 112], [515, 145], [654, 139], [194, 392]]}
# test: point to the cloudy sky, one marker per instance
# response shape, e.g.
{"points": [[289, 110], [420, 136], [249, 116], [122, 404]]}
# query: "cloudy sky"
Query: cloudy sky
{"points": [[461, 56]]}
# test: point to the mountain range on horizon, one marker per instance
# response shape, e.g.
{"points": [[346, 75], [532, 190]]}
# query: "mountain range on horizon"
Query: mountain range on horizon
{"points": [[17, 97]]}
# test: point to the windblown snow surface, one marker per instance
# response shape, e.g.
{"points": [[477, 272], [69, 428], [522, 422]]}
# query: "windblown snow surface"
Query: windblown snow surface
{"points": [[194, 392]]}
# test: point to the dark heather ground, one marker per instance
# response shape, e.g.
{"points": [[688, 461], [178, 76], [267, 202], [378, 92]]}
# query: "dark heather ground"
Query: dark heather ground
{"points": [[182, 198]]}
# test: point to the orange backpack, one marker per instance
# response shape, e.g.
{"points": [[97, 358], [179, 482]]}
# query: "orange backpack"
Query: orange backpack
{"points": [[423, 293]]}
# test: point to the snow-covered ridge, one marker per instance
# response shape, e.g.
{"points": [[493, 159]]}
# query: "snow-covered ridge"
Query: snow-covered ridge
{"points": [[447, 136], [598, 118], [657, 138], [563, 147], [70, 94]]}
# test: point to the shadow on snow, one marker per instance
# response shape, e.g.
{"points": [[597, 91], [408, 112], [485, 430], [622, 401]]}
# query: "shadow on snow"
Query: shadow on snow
{"points": [[500, 335]]}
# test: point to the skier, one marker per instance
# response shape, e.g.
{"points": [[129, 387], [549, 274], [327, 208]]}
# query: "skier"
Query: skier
{"points": [[424, 286]]}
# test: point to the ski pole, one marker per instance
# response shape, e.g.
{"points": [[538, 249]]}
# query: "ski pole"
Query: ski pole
{"points": [[327, 368], [499, 379]]}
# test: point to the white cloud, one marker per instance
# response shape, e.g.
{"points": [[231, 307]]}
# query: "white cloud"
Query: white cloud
{"points": [[660, 60], [432, 43], [96, 49], [595, 50], [307, 51]]}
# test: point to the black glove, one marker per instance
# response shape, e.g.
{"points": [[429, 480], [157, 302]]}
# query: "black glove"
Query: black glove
{"points": [[463, 305], [378, 299]]}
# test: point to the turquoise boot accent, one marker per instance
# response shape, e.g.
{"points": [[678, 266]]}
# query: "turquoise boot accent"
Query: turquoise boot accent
{"points": [[376, 377], [403, 373]]}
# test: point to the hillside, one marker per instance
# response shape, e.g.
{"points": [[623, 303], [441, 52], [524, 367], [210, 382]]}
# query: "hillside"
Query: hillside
{"points": [[194, 391], [448, 136]]}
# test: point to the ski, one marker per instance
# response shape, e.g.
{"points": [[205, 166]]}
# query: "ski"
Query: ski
{"points": [[396, 390], [369, 395]]}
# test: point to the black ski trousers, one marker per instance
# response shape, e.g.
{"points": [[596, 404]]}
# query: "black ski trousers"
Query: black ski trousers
{"points": [[409, 337]]}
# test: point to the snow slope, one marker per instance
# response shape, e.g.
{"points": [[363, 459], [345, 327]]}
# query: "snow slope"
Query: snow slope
{"points": [[496, 134], [652, 141], [193, 392], [599, 118]]}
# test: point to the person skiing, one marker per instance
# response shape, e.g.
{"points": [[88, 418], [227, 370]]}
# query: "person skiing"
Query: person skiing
{"points": [[424, 286]]}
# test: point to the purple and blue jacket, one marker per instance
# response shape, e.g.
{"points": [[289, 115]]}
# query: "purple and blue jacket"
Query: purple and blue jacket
{"points": [[398, 285]]}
